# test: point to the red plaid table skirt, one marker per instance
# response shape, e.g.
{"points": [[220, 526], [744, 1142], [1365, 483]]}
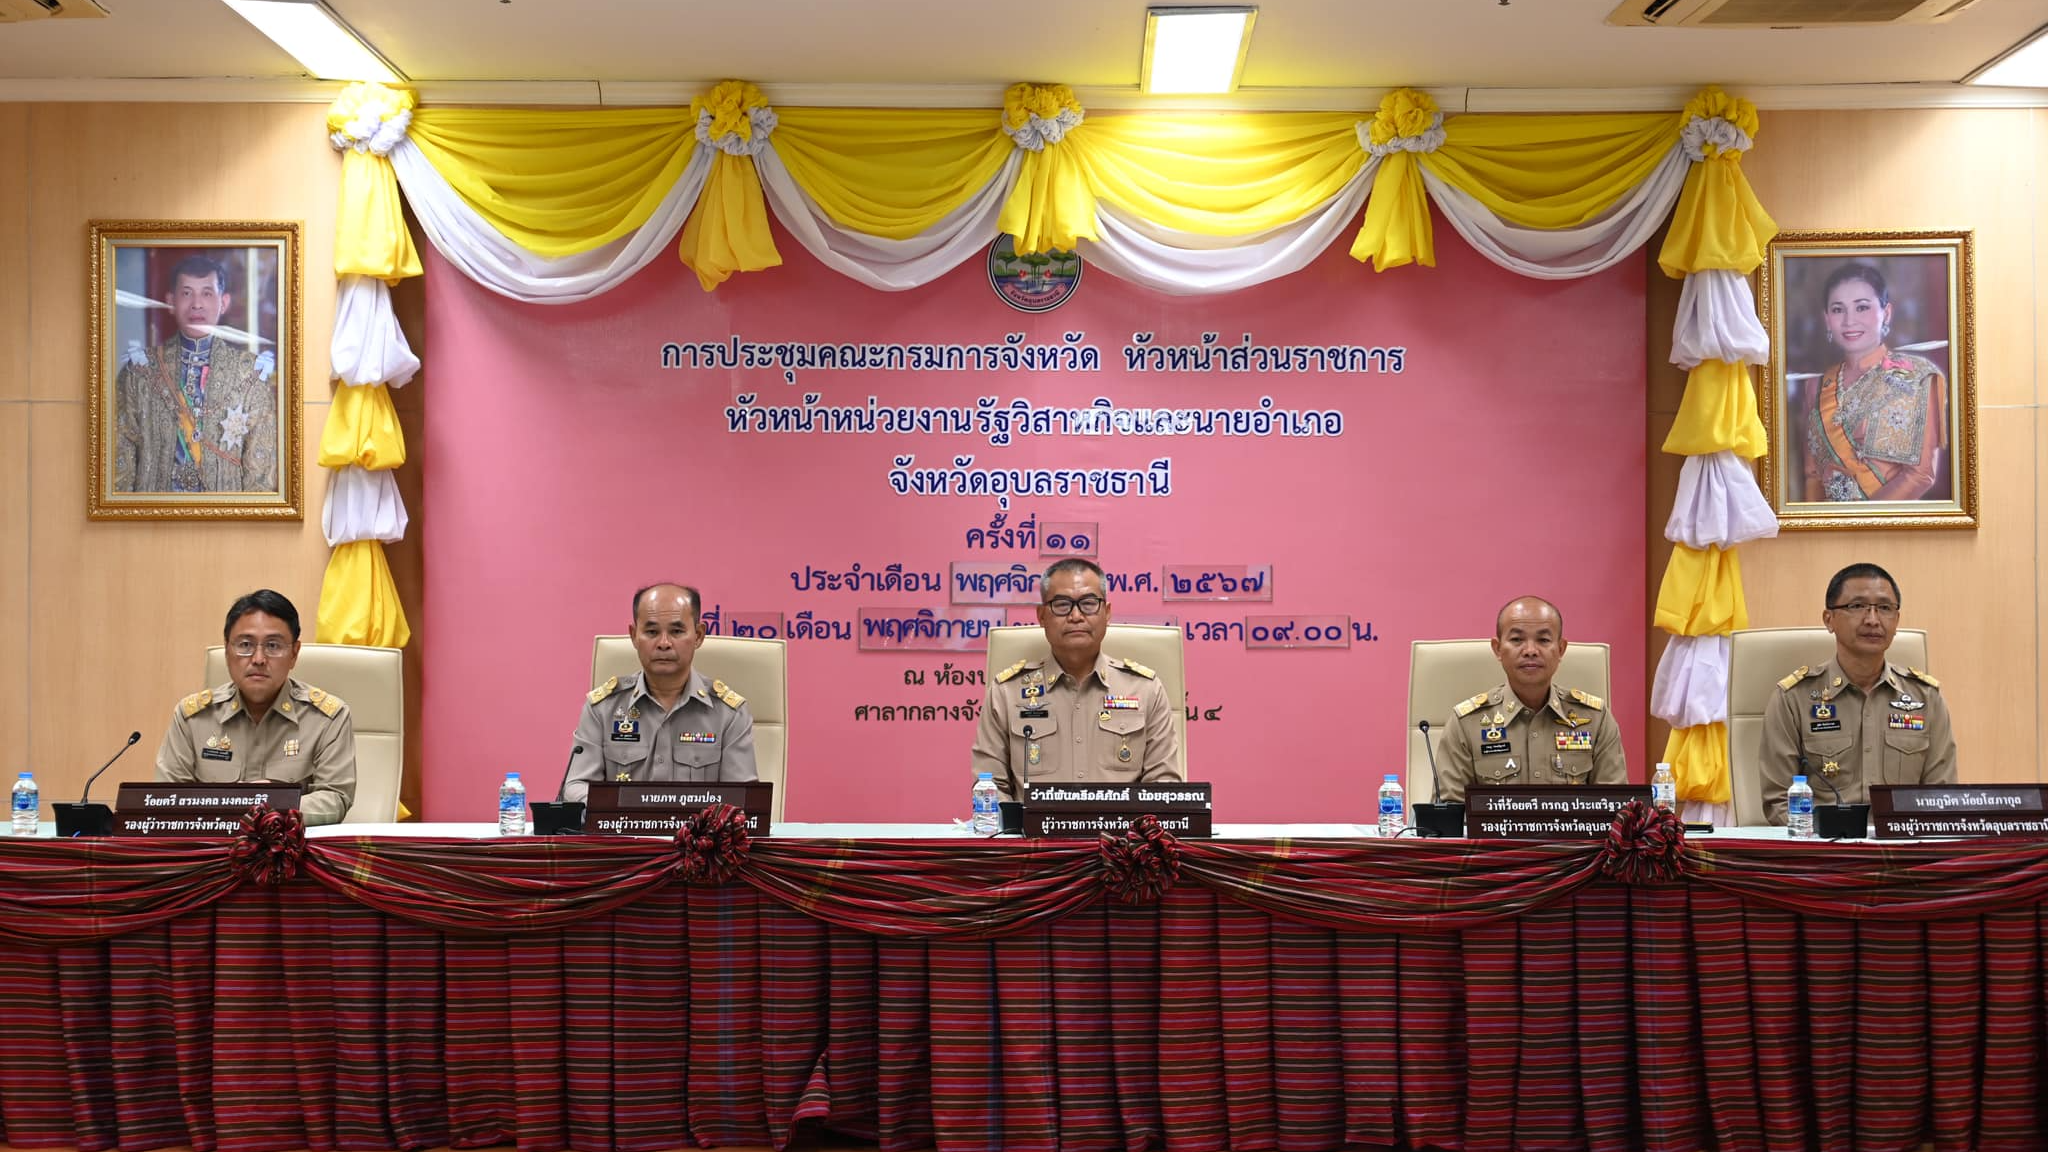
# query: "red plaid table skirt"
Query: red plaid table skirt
{"points": [[1293, 996]]}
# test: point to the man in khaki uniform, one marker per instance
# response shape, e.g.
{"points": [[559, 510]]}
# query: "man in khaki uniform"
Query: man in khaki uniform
{"points": [[263, 727], [1529, 730], [196, 413], [1081, 717], [665, 723], [1856, 720]]}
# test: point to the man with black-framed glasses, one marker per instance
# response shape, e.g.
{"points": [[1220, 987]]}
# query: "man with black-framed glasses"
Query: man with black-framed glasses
{"points": [[264, 726], [1080, 717], [1856, 720]]}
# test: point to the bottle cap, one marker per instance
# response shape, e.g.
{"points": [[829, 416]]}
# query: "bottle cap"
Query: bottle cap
{"points": [[1393, 778], [26, 776], [511, 775], [1799, 779], [984, 775], [1663, 767]]}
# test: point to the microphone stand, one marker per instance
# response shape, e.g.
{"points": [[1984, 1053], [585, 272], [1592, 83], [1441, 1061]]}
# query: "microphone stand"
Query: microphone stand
{"points": [[83, 818], [1447, 820]]}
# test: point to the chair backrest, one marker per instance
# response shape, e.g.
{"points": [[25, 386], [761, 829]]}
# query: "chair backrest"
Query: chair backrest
{"points": [[1441, 673], [754, 668], [1757, 659], [1158, 647], [371, 681]]}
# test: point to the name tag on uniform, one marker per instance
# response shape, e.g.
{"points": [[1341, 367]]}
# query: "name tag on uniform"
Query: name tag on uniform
{"points": [[626, 730], [1034, 713], [696, 737], [1493, 741], [1119, 703], [1576, 740], [1915, 723], [215, 754], [1824, 719]]}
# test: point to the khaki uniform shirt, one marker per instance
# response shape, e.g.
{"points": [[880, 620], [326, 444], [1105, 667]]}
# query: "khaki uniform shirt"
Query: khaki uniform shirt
{"points": [[1113, 726], [306, 738], [708, 738], [1897, 734], [1495, 740], [235, 427]]}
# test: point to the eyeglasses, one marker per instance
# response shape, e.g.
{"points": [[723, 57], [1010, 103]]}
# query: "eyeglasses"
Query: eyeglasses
{"points": [[273, 648], [1065, 605], [1858, 608]]}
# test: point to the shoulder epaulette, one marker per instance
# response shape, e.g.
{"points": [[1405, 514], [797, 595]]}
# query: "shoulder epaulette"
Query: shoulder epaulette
{"points": [[603, 690], [191, 705], [1797, 675], [732, 699], [323, 700], [1012, 670], [1140, 669], [1466, 707], [1923, 677], [1589, 700]]}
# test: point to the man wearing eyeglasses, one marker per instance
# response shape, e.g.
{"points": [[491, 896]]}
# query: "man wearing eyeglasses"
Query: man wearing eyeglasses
{"points": [[1856, 720], [263, 726], [1080, 717]]}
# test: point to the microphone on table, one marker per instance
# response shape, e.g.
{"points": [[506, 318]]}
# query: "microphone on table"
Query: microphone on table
{"points": [[87, 819], [559, 817], [1436, 819]]}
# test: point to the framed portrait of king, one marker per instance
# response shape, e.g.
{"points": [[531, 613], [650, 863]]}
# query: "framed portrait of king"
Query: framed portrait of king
{"points": [[1870, 395], [195, 407]]}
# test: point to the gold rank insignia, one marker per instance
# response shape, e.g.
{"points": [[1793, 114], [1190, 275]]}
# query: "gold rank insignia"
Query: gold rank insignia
{"points": [[1467, 707], [285, 706], [1836, 683], [1797, 675], [603, 690], [732, 699], [1923, 677], [1829, 769], [1141, 670], [1588, 699], [291, 747], [1012, 670], [1498, 720], [324, 702], [191, 705]]}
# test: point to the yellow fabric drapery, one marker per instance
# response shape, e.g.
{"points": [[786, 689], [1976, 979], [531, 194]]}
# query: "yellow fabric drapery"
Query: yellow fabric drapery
{"points": [[1396, 230], [891, 172], [362, 429], [1718, 223], [554, 182], [359, 601], [729, 230], [1699, 762], [370, 237], [1717, 414], [1552, 171], [1702, 593]]}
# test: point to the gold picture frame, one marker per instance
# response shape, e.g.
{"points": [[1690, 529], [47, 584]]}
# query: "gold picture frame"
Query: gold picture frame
{"points": [[196, 403], [1894, 445]]}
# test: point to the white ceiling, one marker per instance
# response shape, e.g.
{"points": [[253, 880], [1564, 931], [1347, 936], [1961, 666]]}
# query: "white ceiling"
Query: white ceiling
{"points": [[1095, 44]]}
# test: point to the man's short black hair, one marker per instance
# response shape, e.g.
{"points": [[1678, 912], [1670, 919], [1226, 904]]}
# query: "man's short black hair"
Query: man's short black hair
{"points": [[1071, 564], [267, 602], [689, 593], [1859, 572], [198, 267], [1500, 617]]}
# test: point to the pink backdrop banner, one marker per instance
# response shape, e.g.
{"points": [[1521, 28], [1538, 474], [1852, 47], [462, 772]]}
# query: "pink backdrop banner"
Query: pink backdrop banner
{"points": [[877, 476]]}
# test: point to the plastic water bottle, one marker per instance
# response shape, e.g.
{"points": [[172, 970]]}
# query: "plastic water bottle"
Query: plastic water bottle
{"points": [[1664, 789], [1393, 810], [28, 803], [1799, 809], [987, 818], [511, 806]]}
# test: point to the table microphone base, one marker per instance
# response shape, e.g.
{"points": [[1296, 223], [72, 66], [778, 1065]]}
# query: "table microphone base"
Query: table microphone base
{"points": [[1841, 821], [79, 818], [1446, 820]]}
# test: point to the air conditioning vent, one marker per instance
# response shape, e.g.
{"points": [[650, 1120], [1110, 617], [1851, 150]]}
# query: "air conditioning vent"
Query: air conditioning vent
{"points": [[21, 11], [1783, 13]]}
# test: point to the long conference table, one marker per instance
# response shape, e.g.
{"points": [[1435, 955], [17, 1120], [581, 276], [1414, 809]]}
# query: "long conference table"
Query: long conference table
{"points": [[1300, 988]]}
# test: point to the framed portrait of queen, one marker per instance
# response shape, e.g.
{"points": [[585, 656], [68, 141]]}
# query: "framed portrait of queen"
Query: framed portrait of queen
{"points": [[195, 399], [1870, 396]]}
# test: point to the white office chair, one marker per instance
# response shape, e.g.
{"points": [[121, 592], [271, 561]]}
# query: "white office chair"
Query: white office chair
{"points": [[1757, 659], [1441, 673], [1157, 647], [754, 668], [371, 681]]}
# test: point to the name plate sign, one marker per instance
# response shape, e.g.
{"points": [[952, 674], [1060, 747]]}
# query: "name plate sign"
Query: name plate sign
{"points": [[194, 809], [1925, 811], [1546, 811], [641, 809], [1088, 810]]}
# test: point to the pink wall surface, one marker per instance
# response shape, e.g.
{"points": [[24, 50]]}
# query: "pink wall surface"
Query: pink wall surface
{"points": [[564, 466]]}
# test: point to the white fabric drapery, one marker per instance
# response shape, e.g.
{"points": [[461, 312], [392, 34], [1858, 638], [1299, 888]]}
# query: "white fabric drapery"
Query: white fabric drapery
{"points": [[368, 346], [878, 262], [363, 505], [1566, 253]]}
